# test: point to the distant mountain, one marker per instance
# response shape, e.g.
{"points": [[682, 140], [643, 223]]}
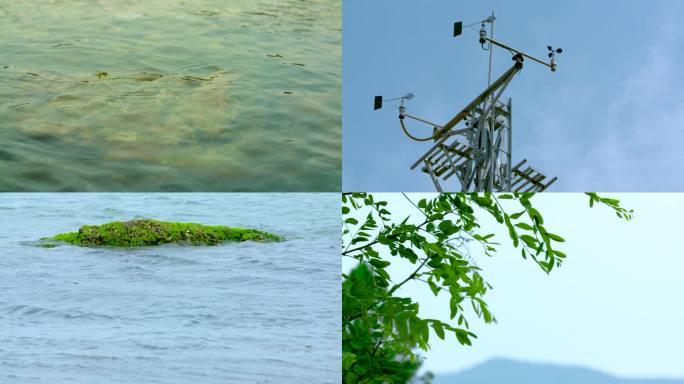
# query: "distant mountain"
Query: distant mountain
{"points": [[500, 371]]}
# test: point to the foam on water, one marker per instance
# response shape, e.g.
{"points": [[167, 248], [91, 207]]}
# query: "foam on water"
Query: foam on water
{"points": [[247, 312]]}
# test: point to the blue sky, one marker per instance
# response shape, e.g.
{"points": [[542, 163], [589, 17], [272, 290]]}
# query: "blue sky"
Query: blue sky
{"points": [[614, 305], [610, 119]]}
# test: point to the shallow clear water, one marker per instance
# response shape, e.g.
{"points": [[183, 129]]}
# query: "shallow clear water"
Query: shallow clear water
{"points": [[202, 95], [235, 313]]}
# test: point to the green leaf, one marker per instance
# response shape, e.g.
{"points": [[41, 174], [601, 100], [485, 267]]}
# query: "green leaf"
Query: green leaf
{"points": [[516, 216], [402, 327], [559, 254], [511, 230], [529, 240], [439, 330], [448, 227], [351, 221], [485, 312], [453, 306], [379, 263], [348, 359], [524, 226], [408, 254], [556, 237], [462, 337], [382, 333], [433, 286], [484, 238], [535, 215]]}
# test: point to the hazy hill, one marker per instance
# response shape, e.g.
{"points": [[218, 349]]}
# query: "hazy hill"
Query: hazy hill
{"points": [[499, 371]]}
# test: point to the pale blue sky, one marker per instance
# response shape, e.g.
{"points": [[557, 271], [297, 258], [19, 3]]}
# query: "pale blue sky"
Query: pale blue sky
{"points": [[614, 305], [610, 119]]}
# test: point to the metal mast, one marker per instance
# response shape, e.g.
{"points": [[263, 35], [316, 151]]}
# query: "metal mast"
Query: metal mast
{"points": [[478, 152]]}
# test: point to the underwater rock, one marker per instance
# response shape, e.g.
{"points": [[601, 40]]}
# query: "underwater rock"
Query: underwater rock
{"points": [[7, 155], [147, 232], [147, 76]]}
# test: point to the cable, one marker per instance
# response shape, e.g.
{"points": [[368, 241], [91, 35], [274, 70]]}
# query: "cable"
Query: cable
{"points": [[434, 136]]}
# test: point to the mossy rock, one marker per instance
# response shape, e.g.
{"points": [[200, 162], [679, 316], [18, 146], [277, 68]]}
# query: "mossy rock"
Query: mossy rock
{"points": [[139, 233]]}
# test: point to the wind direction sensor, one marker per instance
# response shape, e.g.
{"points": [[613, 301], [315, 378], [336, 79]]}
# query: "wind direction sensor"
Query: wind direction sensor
{"points": [[478, 152], [377, 103]]}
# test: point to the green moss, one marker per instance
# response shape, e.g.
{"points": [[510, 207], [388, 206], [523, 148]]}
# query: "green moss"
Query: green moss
{"points": [[152, 232]]}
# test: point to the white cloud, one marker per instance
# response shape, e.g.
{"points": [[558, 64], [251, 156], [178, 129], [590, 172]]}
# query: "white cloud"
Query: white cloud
{"points": [[621, 139]]}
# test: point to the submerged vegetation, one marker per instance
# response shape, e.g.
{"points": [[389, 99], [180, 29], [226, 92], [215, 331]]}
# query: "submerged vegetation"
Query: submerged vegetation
{"points": [[147, 232]]}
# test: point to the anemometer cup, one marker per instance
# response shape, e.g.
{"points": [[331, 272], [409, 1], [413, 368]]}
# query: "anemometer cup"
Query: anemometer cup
{"points": [[552, 56]]}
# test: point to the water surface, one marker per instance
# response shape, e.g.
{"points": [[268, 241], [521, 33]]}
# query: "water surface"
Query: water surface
{"points": [[170, 95], [235, 313]]}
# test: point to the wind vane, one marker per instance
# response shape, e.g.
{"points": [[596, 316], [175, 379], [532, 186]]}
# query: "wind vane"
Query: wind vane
{"points": [[478, 153]]}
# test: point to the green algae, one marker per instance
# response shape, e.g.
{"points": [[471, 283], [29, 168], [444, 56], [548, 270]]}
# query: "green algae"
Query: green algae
{"points": [[147, 232]]}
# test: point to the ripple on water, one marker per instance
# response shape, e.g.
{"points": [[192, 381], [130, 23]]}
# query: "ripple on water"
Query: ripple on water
{"points": [[190, 116], [246, 313], [29, 311], [159, 259]]}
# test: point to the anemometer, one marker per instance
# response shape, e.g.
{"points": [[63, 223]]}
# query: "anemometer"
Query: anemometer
{"points": [[478, 153]]}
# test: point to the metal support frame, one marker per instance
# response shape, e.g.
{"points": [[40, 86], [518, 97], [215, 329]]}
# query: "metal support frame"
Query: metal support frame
{"points": [[479, 154], [459, 153]]}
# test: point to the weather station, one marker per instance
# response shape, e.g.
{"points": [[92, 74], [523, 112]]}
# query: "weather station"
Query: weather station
{"points": [[475, 146]]}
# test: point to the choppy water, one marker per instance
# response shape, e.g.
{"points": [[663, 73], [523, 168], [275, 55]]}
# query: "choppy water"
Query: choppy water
{"points": [[236, 313], [202, 95]]}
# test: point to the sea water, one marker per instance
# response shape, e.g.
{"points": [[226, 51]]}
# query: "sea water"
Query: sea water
{"points": [[235, 313], [170, 95]]}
